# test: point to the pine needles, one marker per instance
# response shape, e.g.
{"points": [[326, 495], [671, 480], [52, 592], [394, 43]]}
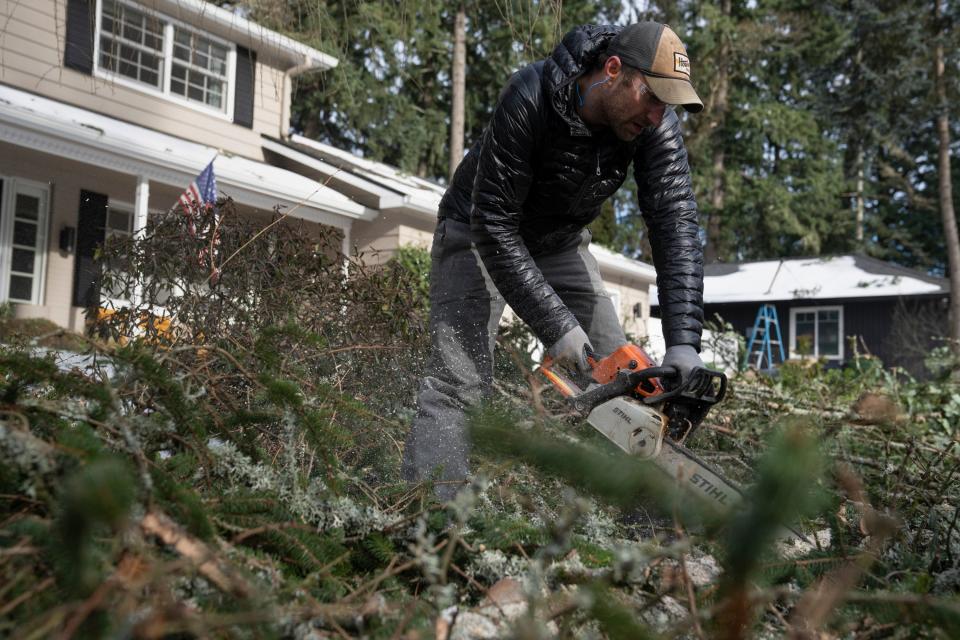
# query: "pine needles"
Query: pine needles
{"points": [[237, 477]]}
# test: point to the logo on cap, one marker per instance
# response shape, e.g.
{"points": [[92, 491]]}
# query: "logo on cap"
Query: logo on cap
{"points": [[681, 63]]}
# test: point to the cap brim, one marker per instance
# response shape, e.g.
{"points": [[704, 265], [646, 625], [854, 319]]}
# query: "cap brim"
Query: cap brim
{"points": [[675, 91]]}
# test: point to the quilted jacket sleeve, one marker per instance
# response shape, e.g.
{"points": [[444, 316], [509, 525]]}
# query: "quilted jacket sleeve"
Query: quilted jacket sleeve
{"points": [[504, 175], [669, 210]]}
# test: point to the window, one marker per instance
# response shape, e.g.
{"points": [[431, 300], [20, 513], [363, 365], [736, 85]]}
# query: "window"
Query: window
{"points": [[131, 43], [199, 68], [150, 51], [23, 242], [816, 332]]}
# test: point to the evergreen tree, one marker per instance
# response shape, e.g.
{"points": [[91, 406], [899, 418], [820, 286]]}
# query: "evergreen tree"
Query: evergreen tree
{"points": [[390, 97]]}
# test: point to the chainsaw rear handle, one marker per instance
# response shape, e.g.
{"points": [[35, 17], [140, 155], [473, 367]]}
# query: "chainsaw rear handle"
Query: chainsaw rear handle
{"points": [[698, 386]]}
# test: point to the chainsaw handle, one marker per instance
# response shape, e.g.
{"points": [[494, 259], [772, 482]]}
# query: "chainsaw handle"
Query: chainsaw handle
{"points": [[624, 383], [697, 386], [653, 372]]}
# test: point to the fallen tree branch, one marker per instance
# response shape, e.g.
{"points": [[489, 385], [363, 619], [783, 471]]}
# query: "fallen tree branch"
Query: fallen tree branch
{"points": [[170, 533]]}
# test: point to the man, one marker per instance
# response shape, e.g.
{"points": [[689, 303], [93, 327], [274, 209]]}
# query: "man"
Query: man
{"points": [[511, 226]]}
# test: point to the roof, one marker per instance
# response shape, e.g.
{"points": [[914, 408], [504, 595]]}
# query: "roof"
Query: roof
{"points": [[837, 277], [374, 184], [70, 132], [387, 188], [612, 263], [237, 28]]}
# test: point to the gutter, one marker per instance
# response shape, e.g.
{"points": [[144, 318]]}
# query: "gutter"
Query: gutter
{"points": [[239, 28]]}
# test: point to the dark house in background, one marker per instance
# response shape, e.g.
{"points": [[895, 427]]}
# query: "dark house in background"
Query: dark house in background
{"points": [[833, 307]]}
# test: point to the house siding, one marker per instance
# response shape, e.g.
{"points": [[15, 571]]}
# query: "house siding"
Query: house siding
{"points": [[629, 295], [379, 239], [31, 46], [874, 323]]}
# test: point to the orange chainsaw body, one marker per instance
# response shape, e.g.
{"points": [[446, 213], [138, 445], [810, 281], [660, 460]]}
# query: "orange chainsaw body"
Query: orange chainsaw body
{"points": [[629, 357]]}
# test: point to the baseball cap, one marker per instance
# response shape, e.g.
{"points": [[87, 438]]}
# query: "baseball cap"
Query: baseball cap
{"points": [[657, 51]]}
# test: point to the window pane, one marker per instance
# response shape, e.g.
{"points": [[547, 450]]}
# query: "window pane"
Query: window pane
{"points": [[25, 233], [132, 33], [215, 95], [119, 220], [218, 61], [21, 288], [828, 342], [22, 260], [805, 327], [830, 314], [27, 207], [153, 41]]}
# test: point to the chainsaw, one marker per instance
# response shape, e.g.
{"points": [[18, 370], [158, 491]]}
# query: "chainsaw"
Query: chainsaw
{"points": [[627, 401]]}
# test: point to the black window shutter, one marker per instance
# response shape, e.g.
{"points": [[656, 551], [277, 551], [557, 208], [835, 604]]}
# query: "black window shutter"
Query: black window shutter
{"points": [[91, 222], [78, 50], [243, 92]]}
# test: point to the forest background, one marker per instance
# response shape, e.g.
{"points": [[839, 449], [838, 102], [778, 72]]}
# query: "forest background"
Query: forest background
{"points": [[819, 137]]}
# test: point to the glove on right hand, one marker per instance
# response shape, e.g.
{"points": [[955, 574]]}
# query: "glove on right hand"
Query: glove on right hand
{"points": [[571, 350], [684, 358]]}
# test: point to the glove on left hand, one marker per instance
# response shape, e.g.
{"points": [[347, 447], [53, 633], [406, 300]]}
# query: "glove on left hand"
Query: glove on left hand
{"points": [[684, 358]]}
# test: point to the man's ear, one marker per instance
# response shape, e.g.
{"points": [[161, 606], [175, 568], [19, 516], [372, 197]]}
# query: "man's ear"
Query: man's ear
{"points": [[612, 67]]}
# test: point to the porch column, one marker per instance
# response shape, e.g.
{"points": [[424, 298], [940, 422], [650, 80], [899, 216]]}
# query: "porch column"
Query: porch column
{"points": [[346, 251], [140, 212]]}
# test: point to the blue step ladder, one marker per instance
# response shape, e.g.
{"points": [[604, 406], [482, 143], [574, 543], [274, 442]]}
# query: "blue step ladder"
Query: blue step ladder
{"points": [[764, 337]]}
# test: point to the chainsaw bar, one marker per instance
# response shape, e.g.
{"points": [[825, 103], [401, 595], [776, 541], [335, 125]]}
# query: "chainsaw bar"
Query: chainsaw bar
{"points": [[641, 431], [625, 401]]}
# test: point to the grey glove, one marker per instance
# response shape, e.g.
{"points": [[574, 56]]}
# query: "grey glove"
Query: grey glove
{"points": [[571, 350], [684, 358]]}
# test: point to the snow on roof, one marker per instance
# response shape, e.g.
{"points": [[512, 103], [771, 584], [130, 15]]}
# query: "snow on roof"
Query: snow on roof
{"points": [[838, 277], [67, 131]]}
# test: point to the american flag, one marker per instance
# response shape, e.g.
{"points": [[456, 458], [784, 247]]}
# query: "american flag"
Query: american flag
{"points": [[201, 192], [200, 196]]}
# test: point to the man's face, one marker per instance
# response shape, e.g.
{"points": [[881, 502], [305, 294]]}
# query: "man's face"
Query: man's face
{"points": [[632, 107]]}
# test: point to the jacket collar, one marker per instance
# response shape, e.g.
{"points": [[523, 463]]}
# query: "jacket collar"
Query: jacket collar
{"points": [[574, 56]]}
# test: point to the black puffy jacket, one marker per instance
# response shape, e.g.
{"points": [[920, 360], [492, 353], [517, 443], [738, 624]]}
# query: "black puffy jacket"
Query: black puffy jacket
{"points": [[538, 175]]}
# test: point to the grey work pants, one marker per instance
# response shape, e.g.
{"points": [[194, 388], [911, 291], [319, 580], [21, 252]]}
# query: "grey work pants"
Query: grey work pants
{"points": [[465, 311]]}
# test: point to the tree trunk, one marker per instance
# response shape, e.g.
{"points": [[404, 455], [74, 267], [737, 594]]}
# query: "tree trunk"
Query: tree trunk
{"points": [[459, 88], [947, 215], [711, 252], [860, 203]]}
